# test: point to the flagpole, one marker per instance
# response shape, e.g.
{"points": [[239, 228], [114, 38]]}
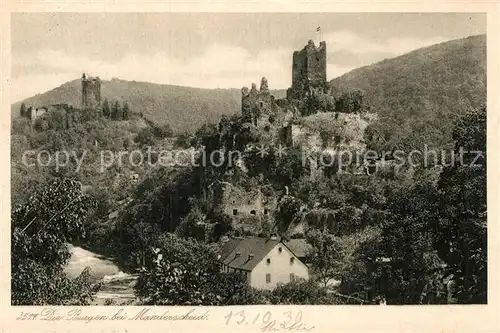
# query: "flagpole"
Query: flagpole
{"points": [[318, 31]]}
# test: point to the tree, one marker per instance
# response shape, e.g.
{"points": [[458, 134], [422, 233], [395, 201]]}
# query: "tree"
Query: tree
{"points": [[145, 137], [161, 132], [463, 223], [191, 226], [126, 111], [41, 124], [41, 228], [222, 223], [106, 111], [303, 293], [409, 236], [288, 167], [186, 272], [183, 141], [288, 212], [23, 110], [116, 111], [324, 255]]}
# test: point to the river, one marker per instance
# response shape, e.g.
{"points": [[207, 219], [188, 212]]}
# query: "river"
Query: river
{"points": [[117, 286]]}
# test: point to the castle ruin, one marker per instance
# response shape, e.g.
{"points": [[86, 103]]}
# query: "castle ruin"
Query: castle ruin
{"points": [[308, 71], [256, 103], [91, 92], [260, 108]]}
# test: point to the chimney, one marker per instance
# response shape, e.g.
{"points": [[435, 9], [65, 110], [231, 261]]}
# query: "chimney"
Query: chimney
{"points": [[237, 254], [274, 237], [250, 256]]}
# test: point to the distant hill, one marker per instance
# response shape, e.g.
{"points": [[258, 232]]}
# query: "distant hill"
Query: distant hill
{"points": [[418, 95], [184, 108]]}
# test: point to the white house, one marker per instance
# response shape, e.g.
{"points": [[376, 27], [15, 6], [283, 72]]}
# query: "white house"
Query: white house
{"points": [[265, 262]]}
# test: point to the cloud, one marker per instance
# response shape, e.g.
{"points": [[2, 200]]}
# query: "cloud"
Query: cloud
{"points": [[220, 66], [349, 41], [31, 84]]}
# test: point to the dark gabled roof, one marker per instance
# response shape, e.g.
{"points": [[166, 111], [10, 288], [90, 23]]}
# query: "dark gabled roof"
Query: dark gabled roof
{"points": [[298, 246], [236, 252]]}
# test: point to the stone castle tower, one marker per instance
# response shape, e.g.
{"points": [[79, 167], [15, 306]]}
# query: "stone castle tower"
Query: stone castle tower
{"points": [[308, 71], [91, 92]]}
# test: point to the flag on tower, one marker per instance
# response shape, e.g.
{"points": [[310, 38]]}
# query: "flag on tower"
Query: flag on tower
{"points": [[318, 31]]}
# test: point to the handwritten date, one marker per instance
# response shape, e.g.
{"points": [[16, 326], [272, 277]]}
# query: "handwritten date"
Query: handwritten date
{"points": [[288, 321]]}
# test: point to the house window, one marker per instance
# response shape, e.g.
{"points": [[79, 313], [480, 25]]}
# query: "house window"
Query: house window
{"points": [[292, 277], [252, 212], [235, 212], [268, 278], [268, 260], [265, 211], [280, 249], [292, 259]]}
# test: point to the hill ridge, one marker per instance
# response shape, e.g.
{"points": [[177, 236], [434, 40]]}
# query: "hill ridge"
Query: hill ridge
{"points": [[187, 108]]}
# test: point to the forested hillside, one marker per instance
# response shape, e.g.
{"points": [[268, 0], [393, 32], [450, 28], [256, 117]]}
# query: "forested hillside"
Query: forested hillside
{"points": [[405, 232], [420, 94], [424, 90], [183, 108]]}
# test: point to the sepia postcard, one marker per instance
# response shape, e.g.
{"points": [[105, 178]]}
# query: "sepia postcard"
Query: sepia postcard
{"points": [[256, 167]]}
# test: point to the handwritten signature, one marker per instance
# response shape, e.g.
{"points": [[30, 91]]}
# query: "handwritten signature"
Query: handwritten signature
{"points": [[295, 326]]}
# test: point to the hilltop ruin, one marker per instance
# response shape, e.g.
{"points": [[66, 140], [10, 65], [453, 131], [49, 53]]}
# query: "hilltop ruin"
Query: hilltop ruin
{"points": [[91, 92]]}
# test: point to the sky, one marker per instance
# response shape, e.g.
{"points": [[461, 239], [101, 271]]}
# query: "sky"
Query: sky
{"points": [[212, 50]]}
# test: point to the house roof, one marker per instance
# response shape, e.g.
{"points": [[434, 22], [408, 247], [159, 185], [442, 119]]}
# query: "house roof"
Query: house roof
{"points": [[298, 246], [236, 252]]}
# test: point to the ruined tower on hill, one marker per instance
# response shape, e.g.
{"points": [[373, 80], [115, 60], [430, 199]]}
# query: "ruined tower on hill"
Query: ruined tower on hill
{"points": [[256, 103], [91, 92], [308, 71]]}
